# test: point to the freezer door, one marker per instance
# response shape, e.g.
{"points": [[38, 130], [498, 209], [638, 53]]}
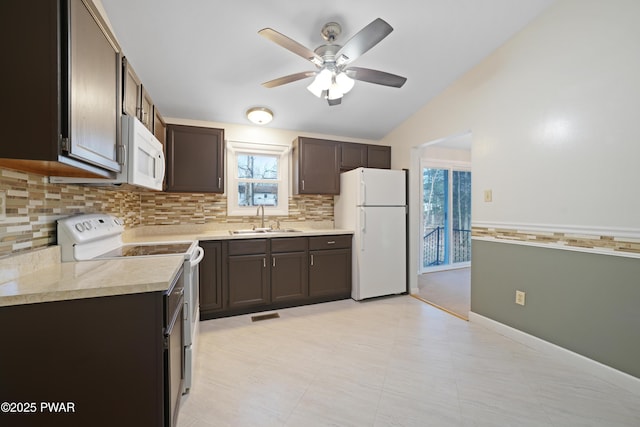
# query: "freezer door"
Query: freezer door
{"points": [[381, 187], [379, 256]]}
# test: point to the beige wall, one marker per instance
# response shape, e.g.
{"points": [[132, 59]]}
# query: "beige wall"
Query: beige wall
{"points": [[553, 116]]}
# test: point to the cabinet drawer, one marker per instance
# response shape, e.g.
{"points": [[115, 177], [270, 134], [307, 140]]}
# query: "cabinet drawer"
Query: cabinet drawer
{"points": [[289, 244], [248, 247], [330, 242]]}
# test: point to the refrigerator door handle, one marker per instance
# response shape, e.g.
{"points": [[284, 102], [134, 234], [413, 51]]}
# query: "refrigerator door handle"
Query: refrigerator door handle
{"points": [[363, 192], [363, 227]]}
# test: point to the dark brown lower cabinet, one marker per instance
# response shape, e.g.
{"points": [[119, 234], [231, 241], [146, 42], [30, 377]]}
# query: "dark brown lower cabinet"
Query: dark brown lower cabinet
{"points": [[289, 276], [251, 275], [100, 359], [248, 280], [210, 272], [247, 273], [330, 273]]}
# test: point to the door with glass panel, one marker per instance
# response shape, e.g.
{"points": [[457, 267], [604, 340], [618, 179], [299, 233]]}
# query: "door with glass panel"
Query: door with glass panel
{"points": [[446, 216]]}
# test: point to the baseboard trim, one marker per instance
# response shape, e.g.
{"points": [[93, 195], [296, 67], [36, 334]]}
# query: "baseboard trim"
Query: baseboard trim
{"points": [[597, 369]]}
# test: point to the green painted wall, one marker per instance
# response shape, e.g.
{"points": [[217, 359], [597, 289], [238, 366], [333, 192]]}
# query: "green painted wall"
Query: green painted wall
{"points": [[587, 303]]}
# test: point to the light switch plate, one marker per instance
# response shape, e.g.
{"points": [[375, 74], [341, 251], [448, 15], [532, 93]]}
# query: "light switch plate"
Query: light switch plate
{"points": [[520, 297], [488, 195]]}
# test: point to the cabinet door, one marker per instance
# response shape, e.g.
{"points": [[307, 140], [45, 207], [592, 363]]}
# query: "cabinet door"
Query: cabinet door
{"points": [[330, 273], [210, 271], [159, 127], [195, 160], [379, 156], [146, 109], [131, 90], [289, 276], [94, 105], [353, 156], [248, 280], [318, 166]]}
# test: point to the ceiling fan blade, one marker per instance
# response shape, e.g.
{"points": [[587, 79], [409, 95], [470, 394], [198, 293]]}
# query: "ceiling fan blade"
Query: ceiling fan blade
{"points": [[291, 45], [375, 76], [288, 79], [364, 40]]}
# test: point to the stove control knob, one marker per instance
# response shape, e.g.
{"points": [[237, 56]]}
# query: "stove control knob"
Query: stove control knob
{"points": [[80, 227], [87, 225]]}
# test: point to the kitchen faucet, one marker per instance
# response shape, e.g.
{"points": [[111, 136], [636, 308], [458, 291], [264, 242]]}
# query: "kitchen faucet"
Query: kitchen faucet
{"points": [[261, 207]]}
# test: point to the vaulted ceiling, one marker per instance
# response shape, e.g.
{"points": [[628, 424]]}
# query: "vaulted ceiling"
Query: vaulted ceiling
{"points": [[204, 60]]}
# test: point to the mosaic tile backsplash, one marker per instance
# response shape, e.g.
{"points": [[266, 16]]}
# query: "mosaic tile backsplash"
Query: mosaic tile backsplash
{"points": [[607, 243], [34, 205]]}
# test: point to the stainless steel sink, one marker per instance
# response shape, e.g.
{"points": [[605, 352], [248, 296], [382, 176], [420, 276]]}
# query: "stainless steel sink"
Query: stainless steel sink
{"points": [[263, 231]]}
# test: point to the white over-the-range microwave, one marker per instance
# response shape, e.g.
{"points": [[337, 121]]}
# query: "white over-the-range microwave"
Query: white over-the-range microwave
{"points": [[143, 162]]}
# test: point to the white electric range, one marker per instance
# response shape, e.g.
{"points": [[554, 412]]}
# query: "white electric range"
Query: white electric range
{"points": [[99, 236]]}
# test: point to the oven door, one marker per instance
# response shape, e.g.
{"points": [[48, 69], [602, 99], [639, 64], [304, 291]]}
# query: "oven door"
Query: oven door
{"points": [[191, 314], [173, 352]]}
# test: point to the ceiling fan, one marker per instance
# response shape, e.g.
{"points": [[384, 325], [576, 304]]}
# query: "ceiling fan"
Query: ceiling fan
{"points": [[334, 77]]}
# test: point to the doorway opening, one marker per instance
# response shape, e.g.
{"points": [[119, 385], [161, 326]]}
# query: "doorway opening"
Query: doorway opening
{"points": [[444, 261]]}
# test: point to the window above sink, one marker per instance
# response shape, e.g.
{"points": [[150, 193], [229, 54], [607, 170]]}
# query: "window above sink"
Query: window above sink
{"points": [[258, 175]]}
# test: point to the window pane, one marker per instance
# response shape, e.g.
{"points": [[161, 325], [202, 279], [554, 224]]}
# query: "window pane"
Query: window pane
{"points": [[255, 194], [257, 166], [461, 218], [435, 211]]}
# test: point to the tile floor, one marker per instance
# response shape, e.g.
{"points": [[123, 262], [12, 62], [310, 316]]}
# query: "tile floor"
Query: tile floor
{"points": [[449, 289], [387, 362]]}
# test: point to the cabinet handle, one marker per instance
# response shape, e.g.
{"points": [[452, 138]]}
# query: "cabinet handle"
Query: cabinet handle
{"points": [[264, 262], [331, 242], [311, 259], [303, 184], [274, 261], [219, 181]]}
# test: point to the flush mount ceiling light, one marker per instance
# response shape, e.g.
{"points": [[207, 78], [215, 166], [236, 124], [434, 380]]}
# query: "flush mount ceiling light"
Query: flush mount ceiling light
{"points": [[334, 77], [259, 115]]}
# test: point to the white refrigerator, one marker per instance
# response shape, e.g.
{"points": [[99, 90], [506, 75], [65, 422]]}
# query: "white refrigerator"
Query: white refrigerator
{"points": [[372, 203]]}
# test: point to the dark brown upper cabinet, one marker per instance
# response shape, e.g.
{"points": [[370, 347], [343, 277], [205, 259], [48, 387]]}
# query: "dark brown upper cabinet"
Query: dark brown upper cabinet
{"points": [[159, 127], [353, 156], [131, 90], [195, 159], [62, 88], [378, 156], [316, 166], [364, 155], [136, 101]]}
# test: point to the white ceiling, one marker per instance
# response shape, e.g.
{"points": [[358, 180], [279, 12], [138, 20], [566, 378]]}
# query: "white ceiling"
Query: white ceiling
{"points": [[204, 59]]}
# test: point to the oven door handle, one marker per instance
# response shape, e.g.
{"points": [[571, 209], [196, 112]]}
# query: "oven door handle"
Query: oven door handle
{"points": [[199, 258], [174, 315]]}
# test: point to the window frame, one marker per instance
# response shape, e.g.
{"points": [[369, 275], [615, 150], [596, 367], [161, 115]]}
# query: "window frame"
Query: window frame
{"points": [[235, 148]]}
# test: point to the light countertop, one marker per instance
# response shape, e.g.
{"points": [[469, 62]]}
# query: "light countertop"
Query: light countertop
{"points": [[39, 276], [177, 233], [87, 279]]}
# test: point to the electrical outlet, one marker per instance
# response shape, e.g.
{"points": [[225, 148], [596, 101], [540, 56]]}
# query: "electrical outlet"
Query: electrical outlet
{"points": [[520, 297], [488, 196], [3, 205]]}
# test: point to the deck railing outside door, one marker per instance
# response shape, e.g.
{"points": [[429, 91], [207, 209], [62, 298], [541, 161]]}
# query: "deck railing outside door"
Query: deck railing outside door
{"points": [[435, 247]]}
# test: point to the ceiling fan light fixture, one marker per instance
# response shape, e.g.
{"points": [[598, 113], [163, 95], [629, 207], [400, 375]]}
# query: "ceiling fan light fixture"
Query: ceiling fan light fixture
{"points": [[259, 115], [324, 78], [315, 88], [334, 92], [344, 82]]}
